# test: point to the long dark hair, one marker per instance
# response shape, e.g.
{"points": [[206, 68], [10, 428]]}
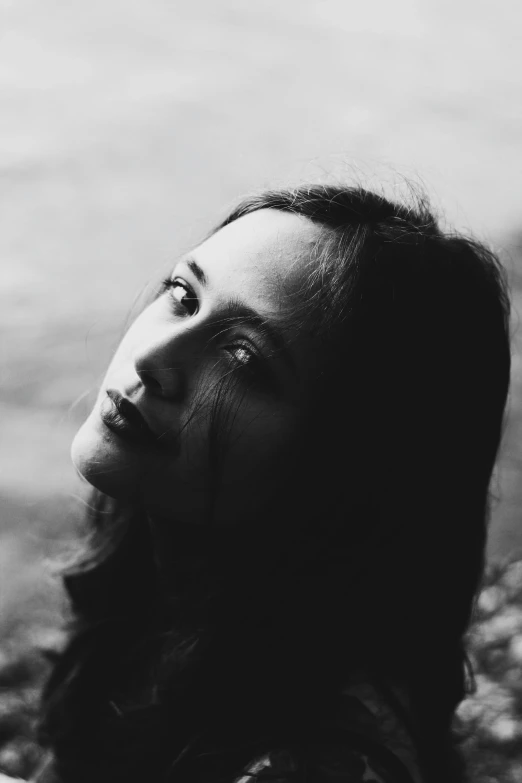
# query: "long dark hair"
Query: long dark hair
{"points": [[168, 679]]}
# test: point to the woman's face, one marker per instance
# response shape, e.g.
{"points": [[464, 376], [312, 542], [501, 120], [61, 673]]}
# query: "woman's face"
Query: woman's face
{"points": [[206, 394]]}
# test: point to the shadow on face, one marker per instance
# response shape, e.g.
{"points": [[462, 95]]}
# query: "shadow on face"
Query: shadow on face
{"points": [[218, 378]]}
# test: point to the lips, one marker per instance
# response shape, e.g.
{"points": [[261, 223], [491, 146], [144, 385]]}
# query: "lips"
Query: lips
{"points": [[123, 418]]}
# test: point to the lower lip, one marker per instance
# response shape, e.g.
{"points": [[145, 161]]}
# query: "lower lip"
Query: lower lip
{"points": [[121, 426]]}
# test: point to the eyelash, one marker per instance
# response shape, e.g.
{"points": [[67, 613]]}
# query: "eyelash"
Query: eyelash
{"points": [[175, 282], [254, 368]]}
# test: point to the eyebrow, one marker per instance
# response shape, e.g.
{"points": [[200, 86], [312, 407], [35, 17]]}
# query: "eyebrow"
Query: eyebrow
{"points": [[196, 270], [242, 313]]}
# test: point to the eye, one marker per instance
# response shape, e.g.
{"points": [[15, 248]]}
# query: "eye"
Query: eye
{"points": [[242, 355], [251, 364], [185, 299]]}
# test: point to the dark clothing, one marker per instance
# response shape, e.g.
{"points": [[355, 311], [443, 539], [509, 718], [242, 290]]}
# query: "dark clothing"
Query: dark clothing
{"points": [[366, 743]]}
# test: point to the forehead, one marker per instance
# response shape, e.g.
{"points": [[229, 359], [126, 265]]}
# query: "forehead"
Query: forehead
{"points": [[261, 258]]}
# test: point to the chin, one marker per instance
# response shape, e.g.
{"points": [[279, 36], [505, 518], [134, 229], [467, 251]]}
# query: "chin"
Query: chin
{"points": [[105, 463]]}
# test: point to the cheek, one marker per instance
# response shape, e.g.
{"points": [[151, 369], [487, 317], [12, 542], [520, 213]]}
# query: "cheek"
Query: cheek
{"points": [[260, 458], [261, 436], [233, 478]]}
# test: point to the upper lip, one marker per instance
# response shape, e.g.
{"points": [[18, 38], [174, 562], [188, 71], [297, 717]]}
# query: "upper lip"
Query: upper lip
{"points": [[129, 411]]}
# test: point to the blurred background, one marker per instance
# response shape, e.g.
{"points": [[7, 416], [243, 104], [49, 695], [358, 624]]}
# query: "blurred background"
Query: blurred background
{"points": [[128, 128]]}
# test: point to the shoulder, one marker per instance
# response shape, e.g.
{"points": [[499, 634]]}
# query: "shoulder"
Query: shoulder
{"points": [[333, 764], [365, 741], [326, 763]]}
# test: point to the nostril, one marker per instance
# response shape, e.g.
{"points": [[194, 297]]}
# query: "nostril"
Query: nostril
{"points": [[149, 381], [166, 383]]}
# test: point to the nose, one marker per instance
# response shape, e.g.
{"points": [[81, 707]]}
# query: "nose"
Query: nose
{"points": [[161, 368], [162, 383]]}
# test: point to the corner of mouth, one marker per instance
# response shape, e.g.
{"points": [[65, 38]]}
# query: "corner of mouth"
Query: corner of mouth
{"points": [[130, 412]]}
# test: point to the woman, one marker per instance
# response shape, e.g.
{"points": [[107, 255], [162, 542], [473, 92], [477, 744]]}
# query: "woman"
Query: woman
{"points": [[291, 451]]}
